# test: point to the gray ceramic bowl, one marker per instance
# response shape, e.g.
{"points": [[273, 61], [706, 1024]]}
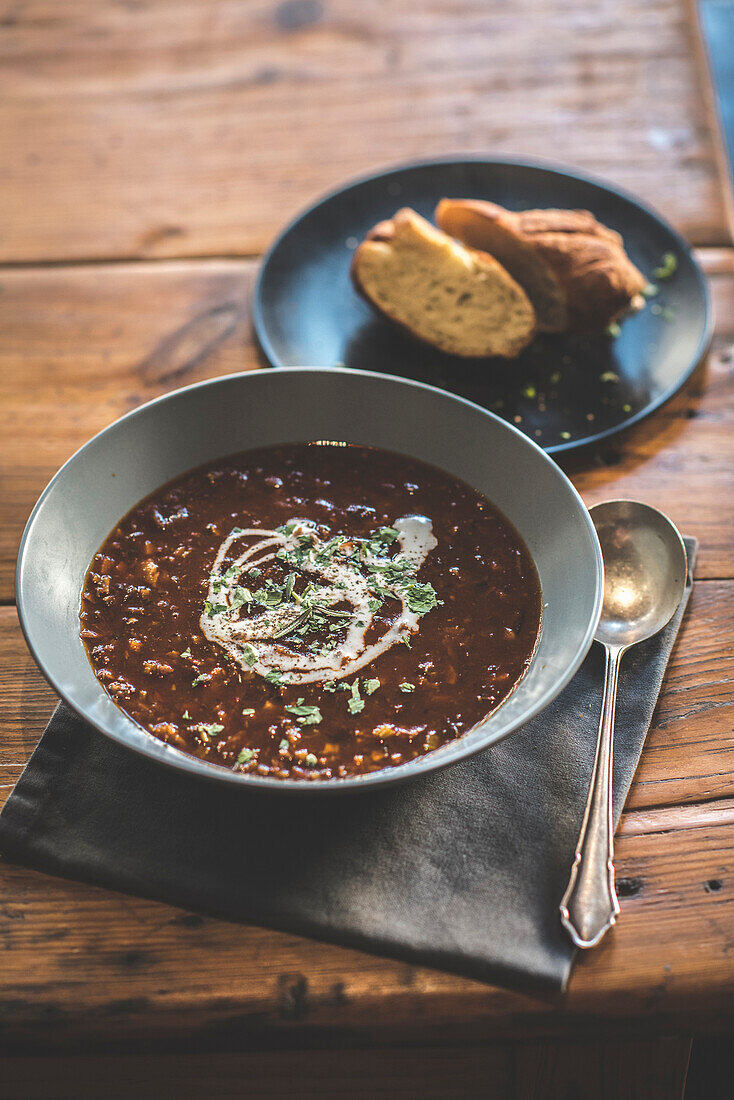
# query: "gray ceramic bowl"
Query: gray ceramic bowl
{"points": [[191, 426]]}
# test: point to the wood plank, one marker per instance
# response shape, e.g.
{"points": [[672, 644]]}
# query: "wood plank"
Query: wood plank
{"points": [[81, 346], [161, 129], [107, 968], [85, 969], [648, 1070], [91, 342]]}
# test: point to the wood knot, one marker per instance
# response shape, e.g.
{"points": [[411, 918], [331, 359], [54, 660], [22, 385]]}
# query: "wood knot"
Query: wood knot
{"points": [[294, 15], [628, 887], [293, 997]]}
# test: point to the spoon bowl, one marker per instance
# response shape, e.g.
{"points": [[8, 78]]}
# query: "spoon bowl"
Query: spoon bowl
{"points": [[644, 571]]}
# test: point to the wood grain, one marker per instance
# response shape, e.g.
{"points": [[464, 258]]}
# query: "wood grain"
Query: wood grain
{"points": [[82, 345], [171, 128], [651, 1070], [112, 971]]}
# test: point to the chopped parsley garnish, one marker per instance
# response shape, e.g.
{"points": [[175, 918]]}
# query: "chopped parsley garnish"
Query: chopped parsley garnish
{"points": [[254, 572], [240, 596], [200, 678], [249, 655], [355, 702], [406, 687], [370, 686], [186, 715], [206, 729], [248, 710], [245, 756], [330, 685], [213, 609], [374, 605], [668, 266], [311, 760], [406, 640], [284, 745], [421, 597], [186, 652], [275, 677], [270, 596], [305, 715]]}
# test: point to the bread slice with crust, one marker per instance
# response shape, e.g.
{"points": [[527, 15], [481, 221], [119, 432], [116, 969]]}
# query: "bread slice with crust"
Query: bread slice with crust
{"points": [[575, 270], [449, 296]]}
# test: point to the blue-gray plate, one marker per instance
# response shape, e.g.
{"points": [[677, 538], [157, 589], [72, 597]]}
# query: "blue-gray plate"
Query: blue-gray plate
{"points": [[562, 391]]}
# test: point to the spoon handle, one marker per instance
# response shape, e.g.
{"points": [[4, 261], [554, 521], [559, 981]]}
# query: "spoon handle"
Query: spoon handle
{"points": [[589, 906]]}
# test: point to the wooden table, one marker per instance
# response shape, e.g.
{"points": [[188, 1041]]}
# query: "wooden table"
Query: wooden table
{"points": [[151, 149]]}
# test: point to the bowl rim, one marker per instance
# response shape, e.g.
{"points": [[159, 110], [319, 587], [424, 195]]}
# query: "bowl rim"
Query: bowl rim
{"points": [[429, 763]]}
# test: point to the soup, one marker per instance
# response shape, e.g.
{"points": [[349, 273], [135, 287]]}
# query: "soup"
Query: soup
{"points": [[311, 611]]}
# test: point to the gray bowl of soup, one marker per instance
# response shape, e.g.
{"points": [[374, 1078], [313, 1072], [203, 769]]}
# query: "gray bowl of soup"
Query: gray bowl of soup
{"points": [[309, 579]]}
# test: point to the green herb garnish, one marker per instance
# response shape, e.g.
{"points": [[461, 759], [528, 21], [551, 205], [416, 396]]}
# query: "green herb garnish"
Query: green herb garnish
{"points": [[245, 756], [206, 729], [355, 702], [186, 652], [668, 266], [421, 598], [612, 330], [200, 678], [311, 760], [249, 655], [213, 609], [370, 686], [406, 687], [305, 715], [248, 710]]}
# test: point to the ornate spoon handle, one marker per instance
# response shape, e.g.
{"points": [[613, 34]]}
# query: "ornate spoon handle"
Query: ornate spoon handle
{"points": [[590, 906]]}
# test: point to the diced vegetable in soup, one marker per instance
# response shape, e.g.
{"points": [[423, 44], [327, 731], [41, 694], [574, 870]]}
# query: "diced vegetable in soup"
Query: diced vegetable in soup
{"points": [[311, 611]]}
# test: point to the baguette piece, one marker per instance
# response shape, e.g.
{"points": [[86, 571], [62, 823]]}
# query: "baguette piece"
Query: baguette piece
{"points": [[574, 269], [449, 296]]}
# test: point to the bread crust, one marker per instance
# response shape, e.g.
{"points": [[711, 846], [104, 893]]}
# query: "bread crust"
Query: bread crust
{"points": [[407, 221], [568, 254]]}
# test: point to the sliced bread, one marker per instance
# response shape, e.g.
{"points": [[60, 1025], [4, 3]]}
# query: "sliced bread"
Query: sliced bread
{"points": [[574, 269], [449, 296]]}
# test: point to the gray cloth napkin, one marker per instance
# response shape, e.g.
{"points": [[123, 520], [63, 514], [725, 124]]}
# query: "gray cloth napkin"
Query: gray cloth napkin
{"points": [[462, 870]]}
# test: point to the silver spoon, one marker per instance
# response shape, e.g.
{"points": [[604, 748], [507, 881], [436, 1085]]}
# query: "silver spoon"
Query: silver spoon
{"points": [[644, 580]]}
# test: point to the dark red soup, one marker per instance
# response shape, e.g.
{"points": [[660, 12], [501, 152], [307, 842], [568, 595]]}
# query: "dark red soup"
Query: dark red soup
{"points": [[311, 611]]}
